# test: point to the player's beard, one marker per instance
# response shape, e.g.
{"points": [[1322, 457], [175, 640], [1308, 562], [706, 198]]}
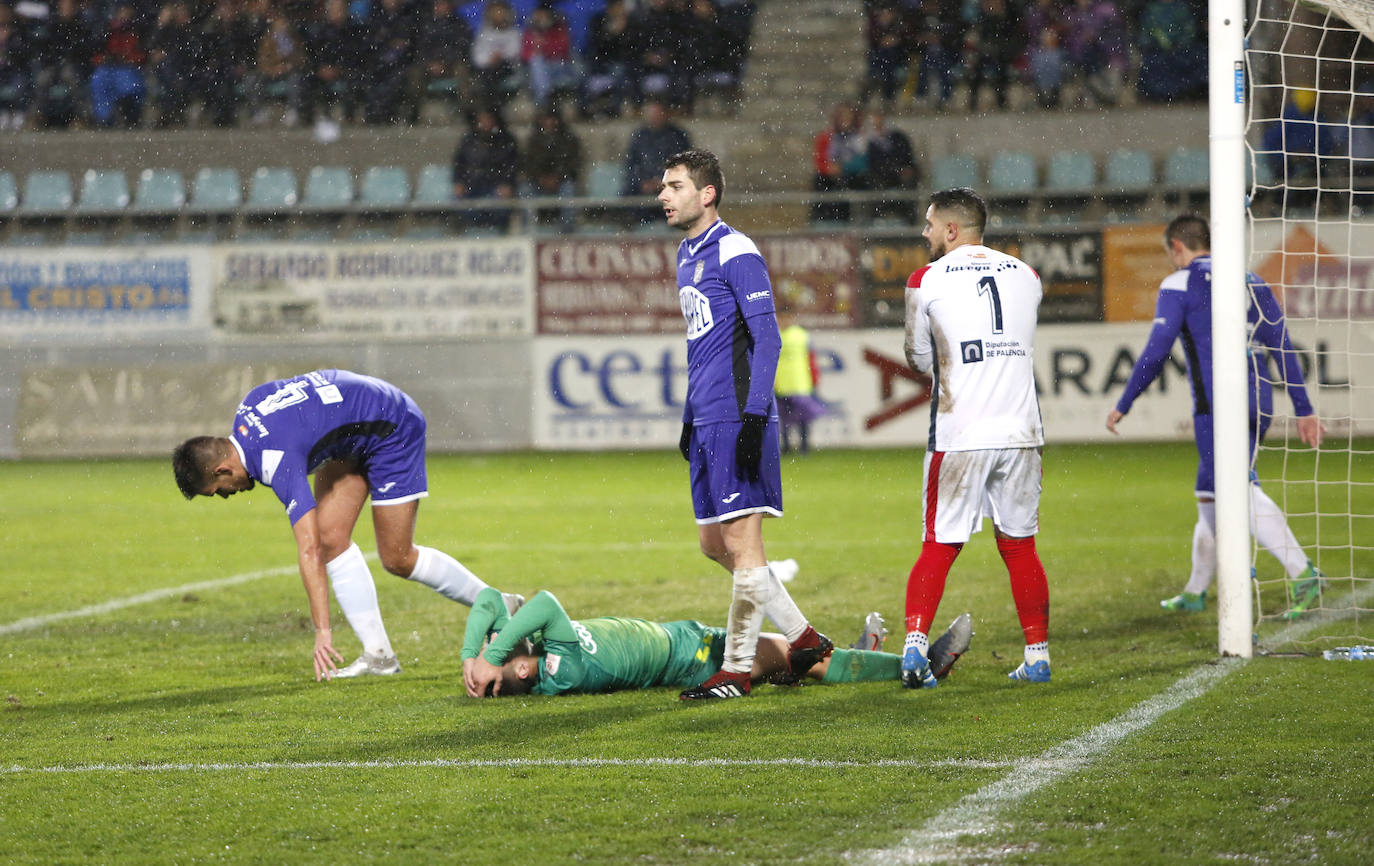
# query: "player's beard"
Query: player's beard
{"points": [[937, 249]]}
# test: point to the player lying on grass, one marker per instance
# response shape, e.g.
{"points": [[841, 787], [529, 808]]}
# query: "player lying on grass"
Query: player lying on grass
{"points": [[541, 650]]}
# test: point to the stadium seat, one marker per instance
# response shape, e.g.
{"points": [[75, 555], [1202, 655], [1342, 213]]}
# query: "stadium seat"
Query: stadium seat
{"points": [[434, 187], [159, 190], [328, 189], [9, 193], [46, 193], [954, 170], [1129, 171], [384, 187], [271, 190], [1071, 170], [103, 192], [1187, 167], [605, 179], [216, 190], [1012, 172]]}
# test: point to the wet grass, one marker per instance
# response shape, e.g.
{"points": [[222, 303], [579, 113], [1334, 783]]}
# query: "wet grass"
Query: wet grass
{"points": [[187, 729]]}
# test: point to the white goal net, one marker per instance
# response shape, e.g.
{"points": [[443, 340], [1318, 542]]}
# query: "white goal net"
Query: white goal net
{"points": [[1310, 135]]}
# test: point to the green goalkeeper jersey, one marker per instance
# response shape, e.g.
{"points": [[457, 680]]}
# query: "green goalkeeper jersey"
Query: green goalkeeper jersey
{"points": [[594, 655]]}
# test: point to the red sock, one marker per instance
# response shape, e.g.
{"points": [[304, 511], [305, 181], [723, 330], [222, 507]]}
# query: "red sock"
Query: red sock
{"points": [[1029, 588], [926, 585]]}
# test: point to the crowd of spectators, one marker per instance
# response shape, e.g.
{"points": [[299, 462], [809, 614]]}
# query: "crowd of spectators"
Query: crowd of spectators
{"points": [[919, 49], [108, 62], [857, 151]]}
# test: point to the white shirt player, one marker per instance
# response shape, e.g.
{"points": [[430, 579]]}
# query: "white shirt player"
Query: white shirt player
{"points": [[970, 324]]}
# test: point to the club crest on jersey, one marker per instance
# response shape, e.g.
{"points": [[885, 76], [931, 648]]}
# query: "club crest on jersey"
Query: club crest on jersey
{"points": [[696, 309], [971, 351], [696, 274]]}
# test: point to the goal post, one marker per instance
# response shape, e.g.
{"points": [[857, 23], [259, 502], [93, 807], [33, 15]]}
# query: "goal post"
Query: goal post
{"points": [[1230, 392]]}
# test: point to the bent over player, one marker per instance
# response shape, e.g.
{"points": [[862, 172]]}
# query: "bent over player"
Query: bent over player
{"points": [[729, 423], [1184, 312], [360, 437], [970, 323], [539, 649]]}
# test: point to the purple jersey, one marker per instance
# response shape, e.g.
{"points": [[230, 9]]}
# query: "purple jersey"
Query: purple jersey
{"points": [[1184, 312], [732, 332], [285, 429]]}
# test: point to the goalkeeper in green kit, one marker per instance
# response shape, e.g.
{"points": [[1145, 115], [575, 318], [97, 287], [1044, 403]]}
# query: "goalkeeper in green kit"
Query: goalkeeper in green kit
{"points": [[540, 649]]}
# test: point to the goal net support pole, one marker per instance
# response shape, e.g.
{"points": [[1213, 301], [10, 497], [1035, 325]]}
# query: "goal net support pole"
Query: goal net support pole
{"points": [[1230, 299]]}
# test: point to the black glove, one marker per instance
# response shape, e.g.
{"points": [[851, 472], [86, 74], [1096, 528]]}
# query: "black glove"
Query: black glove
{"points": [[749, 446], [684, 442]]}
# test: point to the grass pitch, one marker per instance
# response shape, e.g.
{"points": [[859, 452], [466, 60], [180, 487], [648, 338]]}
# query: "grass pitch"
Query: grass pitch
{"points": [[186, 728]]}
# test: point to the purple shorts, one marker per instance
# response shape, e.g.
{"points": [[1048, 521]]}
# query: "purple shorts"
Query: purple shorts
{"points": [[799, 409], [719, 493], [395, 469]]}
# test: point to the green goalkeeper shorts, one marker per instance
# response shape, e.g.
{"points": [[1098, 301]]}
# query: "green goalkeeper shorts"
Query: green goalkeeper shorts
{"points": [[695, 652]]}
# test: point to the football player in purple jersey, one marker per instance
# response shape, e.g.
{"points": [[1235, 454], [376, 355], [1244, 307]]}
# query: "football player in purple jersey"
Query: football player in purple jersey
{"points": [[729, 422], [360, 437], [1184, 313]]}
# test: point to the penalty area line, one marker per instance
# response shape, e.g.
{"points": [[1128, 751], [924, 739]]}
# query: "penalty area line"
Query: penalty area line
{"points": [[938, 841], [33, 622], [507, 763]]}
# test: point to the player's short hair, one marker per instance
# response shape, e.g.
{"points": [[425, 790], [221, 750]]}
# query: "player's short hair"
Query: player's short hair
{"points": [[702, 167], [193, 463], [1190, 230], [966, 206]]}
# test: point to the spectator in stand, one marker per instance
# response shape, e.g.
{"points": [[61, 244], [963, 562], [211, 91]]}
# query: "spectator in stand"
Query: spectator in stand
{"points": [[665, 68], [117, 85], [711, 55], [548, 55], [15, 86], [1173, 56], [219, 68], [1046, 67], [1039, 16], [280, 70], [393, 31], [335, 45], [939, 37], [496, 56], [650, 145], [552, 163], [997, 40], [736, 18], [171, 52], [889, 52], [1303, 146], [841, 162], [891, 166], [62, 45], [1095, 46], [612, 60], [443, 53], [485, 166]]}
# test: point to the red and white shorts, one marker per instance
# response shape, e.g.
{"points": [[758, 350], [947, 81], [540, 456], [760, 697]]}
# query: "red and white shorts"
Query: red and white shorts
{"points": [[963, 487]]}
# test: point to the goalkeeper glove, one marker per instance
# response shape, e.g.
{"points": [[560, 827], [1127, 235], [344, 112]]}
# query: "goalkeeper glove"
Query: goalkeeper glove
{"points": [[749, 446], [684, 442]]}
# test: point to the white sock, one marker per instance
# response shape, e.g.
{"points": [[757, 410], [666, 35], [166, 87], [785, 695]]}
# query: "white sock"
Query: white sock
{"points": [[918, 639], [1204, 548], [446, 576], [748, 597], [1037, 652], [357, 596], [782, 610], [1271, 531]]}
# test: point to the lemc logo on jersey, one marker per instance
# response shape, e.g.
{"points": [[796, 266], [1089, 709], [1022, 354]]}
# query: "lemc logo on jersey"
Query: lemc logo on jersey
{"points": [[971, 351]]}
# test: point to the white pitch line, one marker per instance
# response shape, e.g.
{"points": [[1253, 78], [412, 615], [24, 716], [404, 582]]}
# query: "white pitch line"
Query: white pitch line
{"points": [[33, 622], [509, 763], [977, 814]]}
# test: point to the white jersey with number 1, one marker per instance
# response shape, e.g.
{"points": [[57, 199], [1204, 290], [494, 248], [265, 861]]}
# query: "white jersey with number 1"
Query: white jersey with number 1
{"points": [[970, 324]]}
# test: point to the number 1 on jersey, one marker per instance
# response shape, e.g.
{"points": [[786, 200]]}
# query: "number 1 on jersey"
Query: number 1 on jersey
{"points": [[988, 286]]}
